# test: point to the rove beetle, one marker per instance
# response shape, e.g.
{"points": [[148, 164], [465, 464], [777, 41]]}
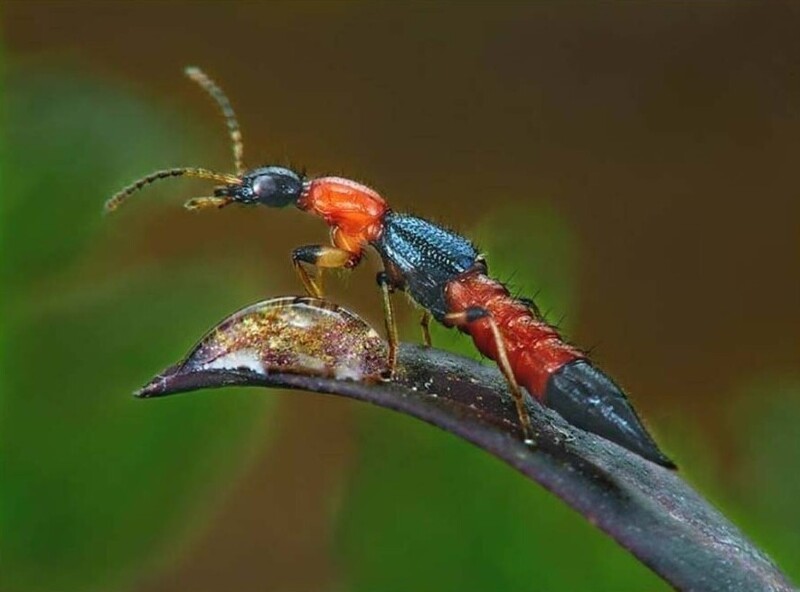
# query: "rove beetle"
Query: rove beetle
{"points": [[441, 271]]}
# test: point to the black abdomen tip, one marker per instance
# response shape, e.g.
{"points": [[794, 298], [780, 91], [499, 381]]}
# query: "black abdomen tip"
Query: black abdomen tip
{"points": [[588, 399]]}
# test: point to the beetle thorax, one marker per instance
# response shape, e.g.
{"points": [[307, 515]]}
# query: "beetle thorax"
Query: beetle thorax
{"points": [[352, 210]]}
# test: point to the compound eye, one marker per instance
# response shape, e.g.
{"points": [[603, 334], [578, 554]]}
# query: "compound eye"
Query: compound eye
{"points": [[265, 188], [271, 186]]}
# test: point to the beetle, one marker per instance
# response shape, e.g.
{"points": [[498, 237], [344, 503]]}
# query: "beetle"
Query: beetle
{"points": [[440, 270]]}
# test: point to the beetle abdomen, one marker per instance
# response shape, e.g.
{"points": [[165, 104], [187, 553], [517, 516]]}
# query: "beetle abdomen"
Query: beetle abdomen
{"points": [[587, 398], [553, 371]]}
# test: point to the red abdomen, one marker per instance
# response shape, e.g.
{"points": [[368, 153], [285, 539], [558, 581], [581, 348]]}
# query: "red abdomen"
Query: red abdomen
{"points": [[535, 349]]}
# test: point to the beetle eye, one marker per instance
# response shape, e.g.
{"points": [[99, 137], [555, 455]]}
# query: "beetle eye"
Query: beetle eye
{"points": [[264, 188], [270, 186]]}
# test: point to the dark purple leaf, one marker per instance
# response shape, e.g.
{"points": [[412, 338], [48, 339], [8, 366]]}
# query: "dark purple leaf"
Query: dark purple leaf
{"points": [[651, 511]]}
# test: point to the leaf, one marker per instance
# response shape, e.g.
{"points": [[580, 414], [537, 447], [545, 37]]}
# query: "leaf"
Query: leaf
{"points": [[647, 509]]}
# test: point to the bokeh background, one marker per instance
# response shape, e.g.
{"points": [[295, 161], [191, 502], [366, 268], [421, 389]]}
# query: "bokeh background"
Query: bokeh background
{"points": [[633, 165]]}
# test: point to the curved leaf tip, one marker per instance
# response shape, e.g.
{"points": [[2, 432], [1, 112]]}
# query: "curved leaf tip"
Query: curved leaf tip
{"points": [[308, 344]]}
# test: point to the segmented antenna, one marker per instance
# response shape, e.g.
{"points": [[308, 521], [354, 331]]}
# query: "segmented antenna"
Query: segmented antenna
{"points": [[218, 95], [113, 203]]}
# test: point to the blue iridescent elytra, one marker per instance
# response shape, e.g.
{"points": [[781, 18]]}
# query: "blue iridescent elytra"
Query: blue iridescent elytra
{"points": [[427, 256]]}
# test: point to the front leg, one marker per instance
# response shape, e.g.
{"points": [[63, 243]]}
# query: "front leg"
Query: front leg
{"points": [[321, 257]]}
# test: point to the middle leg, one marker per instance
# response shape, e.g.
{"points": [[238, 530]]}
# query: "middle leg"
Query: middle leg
{"points": [[425, 323], [388, 314]]}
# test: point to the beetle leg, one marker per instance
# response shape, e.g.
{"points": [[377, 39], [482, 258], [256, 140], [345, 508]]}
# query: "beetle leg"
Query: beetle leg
{"points": [[202, 203], [475, 313], [388, 315], [321, 257], [425, 323]]}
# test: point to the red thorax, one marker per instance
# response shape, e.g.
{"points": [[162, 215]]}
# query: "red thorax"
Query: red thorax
{"points": [[353, 211]]}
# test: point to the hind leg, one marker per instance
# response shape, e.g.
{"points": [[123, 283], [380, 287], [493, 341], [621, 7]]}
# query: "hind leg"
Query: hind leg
{"points": [[475, 313]]}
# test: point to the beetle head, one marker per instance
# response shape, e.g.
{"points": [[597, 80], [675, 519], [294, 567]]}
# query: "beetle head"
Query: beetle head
{"points": [[272, 186]]}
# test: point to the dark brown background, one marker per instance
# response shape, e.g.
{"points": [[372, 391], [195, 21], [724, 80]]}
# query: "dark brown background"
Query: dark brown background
{"points": [[668, 134]]}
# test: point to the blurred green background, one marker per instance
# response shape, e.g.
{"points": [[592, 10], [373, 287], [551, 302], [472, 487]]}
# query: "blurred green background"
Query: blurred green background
{"points": [[633, 165]]}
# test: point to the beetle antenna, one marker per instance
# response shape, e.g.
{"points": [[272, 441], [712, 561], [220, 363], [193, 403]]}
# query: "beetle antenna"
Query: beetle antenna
{"points": [[218, 95], [113, 203]]}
